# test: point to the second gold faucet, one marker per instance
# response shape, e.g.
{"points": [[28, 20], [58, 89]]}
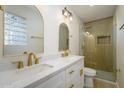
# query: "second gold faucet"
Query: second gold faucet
{"points": [[65, 53]]}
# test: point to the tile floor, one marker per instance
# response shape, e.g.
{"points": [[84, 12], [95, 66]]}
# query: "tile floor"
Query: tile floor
{"points": [[100, 83]]}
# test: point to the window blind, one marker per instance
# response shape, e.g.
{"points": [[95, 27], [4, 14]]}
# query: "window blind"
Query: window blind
{"points": [[14, 29]]}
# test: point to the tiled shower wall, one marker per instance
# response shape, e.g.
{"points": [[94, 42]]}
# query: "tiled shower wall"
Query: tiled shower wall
{"points": [[98, 49]]}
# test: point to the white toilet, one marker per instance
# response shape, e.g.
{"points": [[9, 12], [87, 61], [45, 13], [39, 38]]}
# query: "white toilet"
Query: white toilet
{"points": [[88, 77]]}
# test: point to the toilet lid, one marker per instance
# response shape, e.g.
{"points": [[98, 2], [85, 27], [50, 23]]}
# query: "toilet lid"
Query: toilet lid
{"points": [[89, 70]]}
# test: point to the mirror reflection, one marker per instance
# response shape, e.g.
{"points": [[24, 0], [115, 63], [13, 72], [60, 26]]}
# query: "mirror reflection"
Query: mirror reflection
{"points": [[23, 30], [63, 37]]}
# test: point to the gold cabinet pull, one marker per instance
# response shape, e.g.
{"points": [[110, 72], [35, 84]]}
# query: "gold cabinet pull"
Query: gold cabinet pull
{"points": [[81, 72], [72, 85], [71, 72]]}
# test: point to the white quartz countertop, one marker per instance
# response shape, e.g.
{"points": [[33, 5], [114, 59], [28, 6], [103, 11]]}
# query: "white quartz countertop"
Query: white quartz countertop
{"points": [[20, 78]]}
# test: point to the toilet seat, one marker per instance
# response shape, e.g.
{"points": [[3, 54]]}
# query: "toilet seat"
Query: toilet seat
{"points": [[89, 72]]}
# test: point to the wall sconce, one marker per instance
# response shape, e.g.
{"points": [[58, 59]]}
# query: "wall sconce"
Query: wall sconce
{"points": [[87, 33], [67, 14]]}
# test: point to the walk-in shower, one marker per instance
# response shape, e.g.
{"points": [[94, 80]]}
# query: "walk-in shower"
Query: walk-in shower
{"points": [[98, 47]]}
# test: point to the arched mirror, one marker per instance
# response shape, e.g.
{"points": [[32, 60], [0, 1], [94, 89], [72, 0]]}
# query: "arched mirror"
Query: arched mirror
{"points": [[63, 37], [23, 30]]}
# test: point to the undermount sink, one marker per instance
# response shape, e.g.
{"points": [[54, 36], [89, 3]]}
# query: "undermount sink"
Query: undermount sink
{"points": [[14, 75], [35, 69]]}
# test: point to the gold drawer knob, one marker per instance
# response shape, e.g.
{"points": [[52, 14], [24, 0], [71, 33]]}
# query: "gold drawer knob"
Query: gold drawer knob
{"points": [[71, 72]]}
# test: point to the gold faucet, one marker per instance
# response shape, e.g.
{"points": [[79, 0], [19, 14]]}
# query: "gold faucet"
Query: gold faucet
{"points": [[65, 53], [30, 59], [20, 64]]}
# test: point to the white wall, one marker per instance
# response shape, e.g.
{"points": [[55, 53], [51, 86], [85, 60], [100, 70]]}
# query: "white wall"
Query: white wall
{"points": [[120, 44], [52, 16]]}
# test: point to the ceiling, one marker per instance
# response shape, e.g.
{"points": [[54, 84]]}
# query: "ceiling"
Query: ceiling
{"points": [[89, 13]]}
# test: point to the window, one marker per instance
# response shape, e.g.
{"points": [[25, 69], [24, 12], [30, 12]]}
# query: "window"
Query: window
{"points": [[14, 29]]}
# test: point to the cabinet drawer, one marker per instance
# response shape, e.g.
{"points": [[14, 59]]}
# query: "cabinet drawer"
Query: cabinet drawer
{"points": [[74, 69], [58, 81]]}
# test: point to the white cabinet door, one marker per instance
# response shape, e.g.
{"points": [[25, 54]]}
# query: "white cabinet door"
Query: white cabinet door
{"points": [[73, 77], [58, 81]]}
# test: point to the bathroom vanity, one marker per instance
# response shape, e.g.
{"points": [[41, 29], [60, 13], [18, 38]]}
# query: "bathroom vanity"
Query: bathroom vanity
{"points": [[62, 72]]}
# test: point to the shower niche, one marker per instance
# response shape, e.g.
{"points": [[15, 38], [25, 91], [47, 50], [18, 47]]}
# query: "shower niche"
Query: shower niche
{"points": [[104, 39]]}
